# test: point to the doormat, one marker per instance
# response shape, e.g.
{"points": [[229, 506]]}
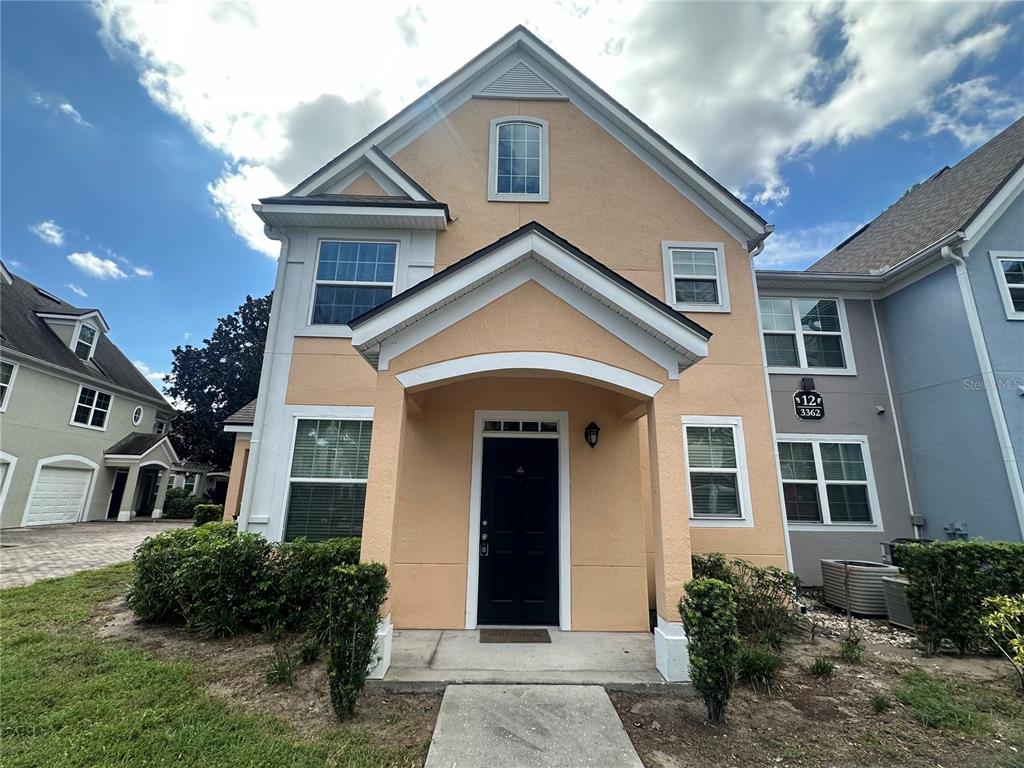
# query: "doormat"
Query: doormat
{"points": [[514, 636]]}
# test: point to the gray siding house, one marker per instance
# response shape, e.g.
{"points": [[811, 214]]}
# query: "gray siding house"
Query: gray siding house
{"points": [[913, 333], [82, 432]]}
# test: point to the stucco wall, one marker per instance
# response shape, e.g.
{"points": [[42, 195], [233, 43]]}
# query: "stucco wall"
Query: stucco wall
{"points": [[955, 462], [36, 425]]}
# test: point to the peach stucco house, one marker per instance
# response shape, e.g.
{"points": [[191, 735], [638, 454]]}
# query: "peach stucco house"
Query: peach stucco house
{"points": [[513, 259]]}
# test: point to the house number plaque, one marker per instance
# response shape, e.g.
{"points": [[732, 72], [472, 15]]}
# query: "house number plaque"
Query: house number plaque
{"points": [[809, 405]]}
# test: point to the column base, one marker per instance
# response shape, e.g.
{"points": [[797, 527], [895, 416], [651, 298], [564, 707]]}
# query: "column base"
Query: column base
{"points": [[125, 515], [671, 651], [382, 649], [157, 514]]}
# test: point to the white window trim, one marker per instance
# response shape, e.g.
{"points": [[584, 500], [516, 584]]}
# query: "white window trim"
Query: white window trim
{"points": [[74, 408], [344, 330], [12, 462], [77, 338], [10, 387], [722, 305], [803, 368], [1004, 287], [826, 523], [140, 412], [746, 518], [492, 163], [564, 516]]}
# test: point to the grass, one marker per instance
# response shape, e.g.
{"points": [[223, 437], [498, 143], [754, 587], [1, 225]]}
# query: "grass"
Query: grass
{"points": [[822, 667], [759, 668], [880, 703], [71, 700], [938, 705]]}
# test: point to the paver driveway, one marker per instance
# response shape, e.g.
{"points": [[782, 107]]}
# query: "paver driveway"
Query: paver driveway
{"points": [[45, 551]]}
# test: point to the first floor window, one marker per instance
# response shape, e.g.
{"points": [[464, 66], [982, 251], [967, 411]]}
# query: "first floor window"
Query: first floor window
{"points": [[803, 333], [190, 482], [825, 482], [6, 379], [92, 408], [327, 482], [713, 471], [352, 278]]}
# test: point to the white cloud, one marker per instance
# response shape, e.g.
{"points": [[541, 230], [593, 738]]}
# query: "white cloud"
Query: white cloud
{"points": [[77, 291], [61, 107], [799, 248], [973, 111], [142, 271], [157, 377], [48, 231], [743, 88], [98, 267]]}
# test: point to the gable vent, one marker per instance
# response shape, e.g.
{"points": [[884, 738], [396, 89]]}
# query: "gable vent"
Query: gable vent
{"points": [[521, 81]]}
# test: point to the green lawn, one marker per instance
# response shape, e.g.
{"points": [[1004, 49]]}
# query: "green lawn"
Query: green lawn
{"points": [[68, 699]]}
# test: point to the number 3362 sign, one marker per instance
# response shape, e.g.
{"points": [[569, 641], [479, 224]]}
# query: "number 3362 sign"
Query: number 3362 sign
{"points": [[809, 405]]}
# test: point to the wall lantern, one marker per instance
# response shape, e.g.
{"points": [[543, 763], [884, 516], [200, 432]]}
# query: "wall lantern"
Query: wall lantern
{"points": [[590, 434]]}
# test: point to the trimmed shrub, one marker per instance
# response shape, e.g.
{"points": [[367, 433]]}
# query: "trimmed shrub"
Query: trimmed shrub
{"points": [[949, 582], [822, 667], [355, 597], [179, 504], [708, 610], [207, 513], [1004, 625], [713, 565], [759, 668], [304, 573]]}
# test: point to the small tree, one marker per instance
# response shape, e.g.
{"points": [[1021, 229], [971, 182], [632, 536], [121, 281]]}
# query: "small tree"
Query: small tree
{"points": [[1004, 625], [709, 616]]}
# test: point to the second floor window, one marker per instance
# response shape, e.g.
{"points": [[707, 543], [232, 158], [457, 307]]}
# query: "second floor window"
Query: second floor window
{"points": [[518, 162], [804, 333], [86, 341], [1009, 266], [352, 278], [6, 381], [92, 408]]}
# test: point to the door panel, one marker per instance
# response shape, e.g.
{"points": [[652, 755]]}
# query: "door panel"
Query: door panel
{"points": [[519, 518], [59, 496]]}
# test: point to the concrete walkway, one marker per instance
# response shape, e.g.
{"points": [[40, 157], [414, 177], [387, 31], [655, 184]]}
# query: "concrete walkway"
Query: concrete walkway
{"points": [[46, 551], [523, 726]]}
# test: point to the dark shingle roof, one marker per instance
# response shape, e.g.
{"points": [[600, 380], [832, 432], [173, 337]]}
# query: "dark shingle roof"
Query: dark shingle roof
{"points": [[244, 415], [134, 444], [945, 203], [23, 331]]}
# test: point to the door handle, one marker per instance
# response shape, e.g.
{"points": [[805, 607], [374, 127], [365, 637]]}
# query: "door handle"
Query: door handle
{"points": [[484, 549]]}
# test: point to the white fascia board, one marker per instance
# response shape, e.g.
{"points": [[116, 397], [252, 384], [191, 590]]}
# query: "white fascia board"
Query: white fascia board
{"points": [[238, 428], [348, 217], [995, 207], [361, 210], [386, 166]]}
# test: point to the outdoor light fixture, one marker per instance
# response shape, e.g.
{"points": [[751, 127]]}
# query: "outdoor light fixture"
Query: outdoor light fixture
{"points": [[590, 434]]}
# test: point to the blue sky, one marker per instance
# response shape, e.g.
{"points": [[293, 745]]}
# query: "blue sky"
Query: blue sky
{"points": [[136, 135]]}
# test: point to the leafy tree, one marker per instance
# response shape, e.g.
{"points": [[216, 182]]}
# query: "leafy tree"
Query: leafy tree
{"points": [[214, 380]]}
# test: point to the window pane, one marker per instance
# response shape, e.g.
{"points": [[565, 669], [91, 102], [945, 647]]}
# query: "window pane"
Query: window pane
{"points": [[518, 158], [99, 418], [337, 304], [694, 263], [362, 262], [697, 291], [710, 447], [776, 314], [82, 350], [87, 397], [323, 511], [492, 426], [848, 503], [796, 460], [330, 448], [780, 349], [1013, 271], [1017, 297], [824, 351], [82, 415], [714, 494], [6, 371], [822, 315], [842, 461], [801, 502], [102, 401]]}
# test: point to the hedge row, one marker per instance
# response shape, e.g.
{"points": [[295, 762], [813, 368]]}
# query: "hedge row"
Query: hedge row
{"points": [[219, 581], [949, 583], [179, 504], [207, 513]]}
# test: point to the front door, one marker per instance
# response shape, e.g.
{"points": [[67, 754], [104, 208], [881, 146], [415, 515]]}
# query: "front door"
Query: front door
{"points": [[117, 493], [519, 532]]}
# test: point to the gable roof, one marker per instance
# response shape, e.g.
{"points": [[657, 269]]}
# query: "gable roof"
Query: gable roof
{"points": [[23, 331], [946, 203], [644, 311], [520, 60], [244, 416], [139, 444]]}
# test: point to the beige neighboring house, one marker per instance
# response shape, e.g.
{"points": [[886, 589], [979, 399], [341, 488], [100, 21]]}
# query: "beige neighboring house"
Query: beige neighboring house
{"points": [[515, 347], [83, 434]]}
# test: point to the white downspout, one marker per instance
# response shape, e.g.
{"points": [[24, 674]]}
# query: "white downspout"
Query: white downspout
{"points": [[955, 255], [263, 394]]}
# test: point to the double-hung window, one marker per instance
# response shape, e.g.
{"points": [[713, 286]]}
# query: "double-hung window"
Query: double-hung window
{"points": [[328, 478], [518, 160], [802, 334], [716, 468], [827, 481], [352, 278], [85, 344], [7, 372], [695, 276], [1009, 267], [190, 482], [92, 408]]}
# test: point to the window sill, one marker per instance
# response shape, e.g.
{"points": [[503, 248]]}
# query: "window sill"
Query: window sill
{"points": [[517, 197], [723, 522], [329, 331], [836, 527], [812, 372], [720, 308], [89, 426]]}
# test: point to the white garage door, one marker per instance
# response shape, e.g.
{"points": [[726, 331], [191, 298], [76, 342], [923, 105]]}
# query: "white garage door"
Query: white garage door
{"points": [[59, 496]]}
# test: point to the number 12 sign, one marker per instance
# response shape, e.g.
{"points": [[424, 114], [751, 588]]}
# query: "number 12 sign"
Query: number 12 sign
{"points": [[809, 405]]}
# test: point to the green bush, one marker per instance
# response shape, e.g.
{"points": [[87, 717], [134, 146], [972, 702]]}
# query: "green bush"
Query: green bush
{"points": [[151, 592], [708, 610], [850, 650], [304, 572], [281, 668], [179, 504], [713, 565], [355, 597], [949, 582], [822, 667], [880, 703], [759, 668], [309, 651], [1004, 626], [207, 513]]}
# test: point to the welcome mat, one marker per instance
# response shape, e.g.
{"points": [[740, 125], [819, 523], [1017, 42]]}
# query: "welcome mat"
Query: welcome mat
{"points": [[514, 636]]}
